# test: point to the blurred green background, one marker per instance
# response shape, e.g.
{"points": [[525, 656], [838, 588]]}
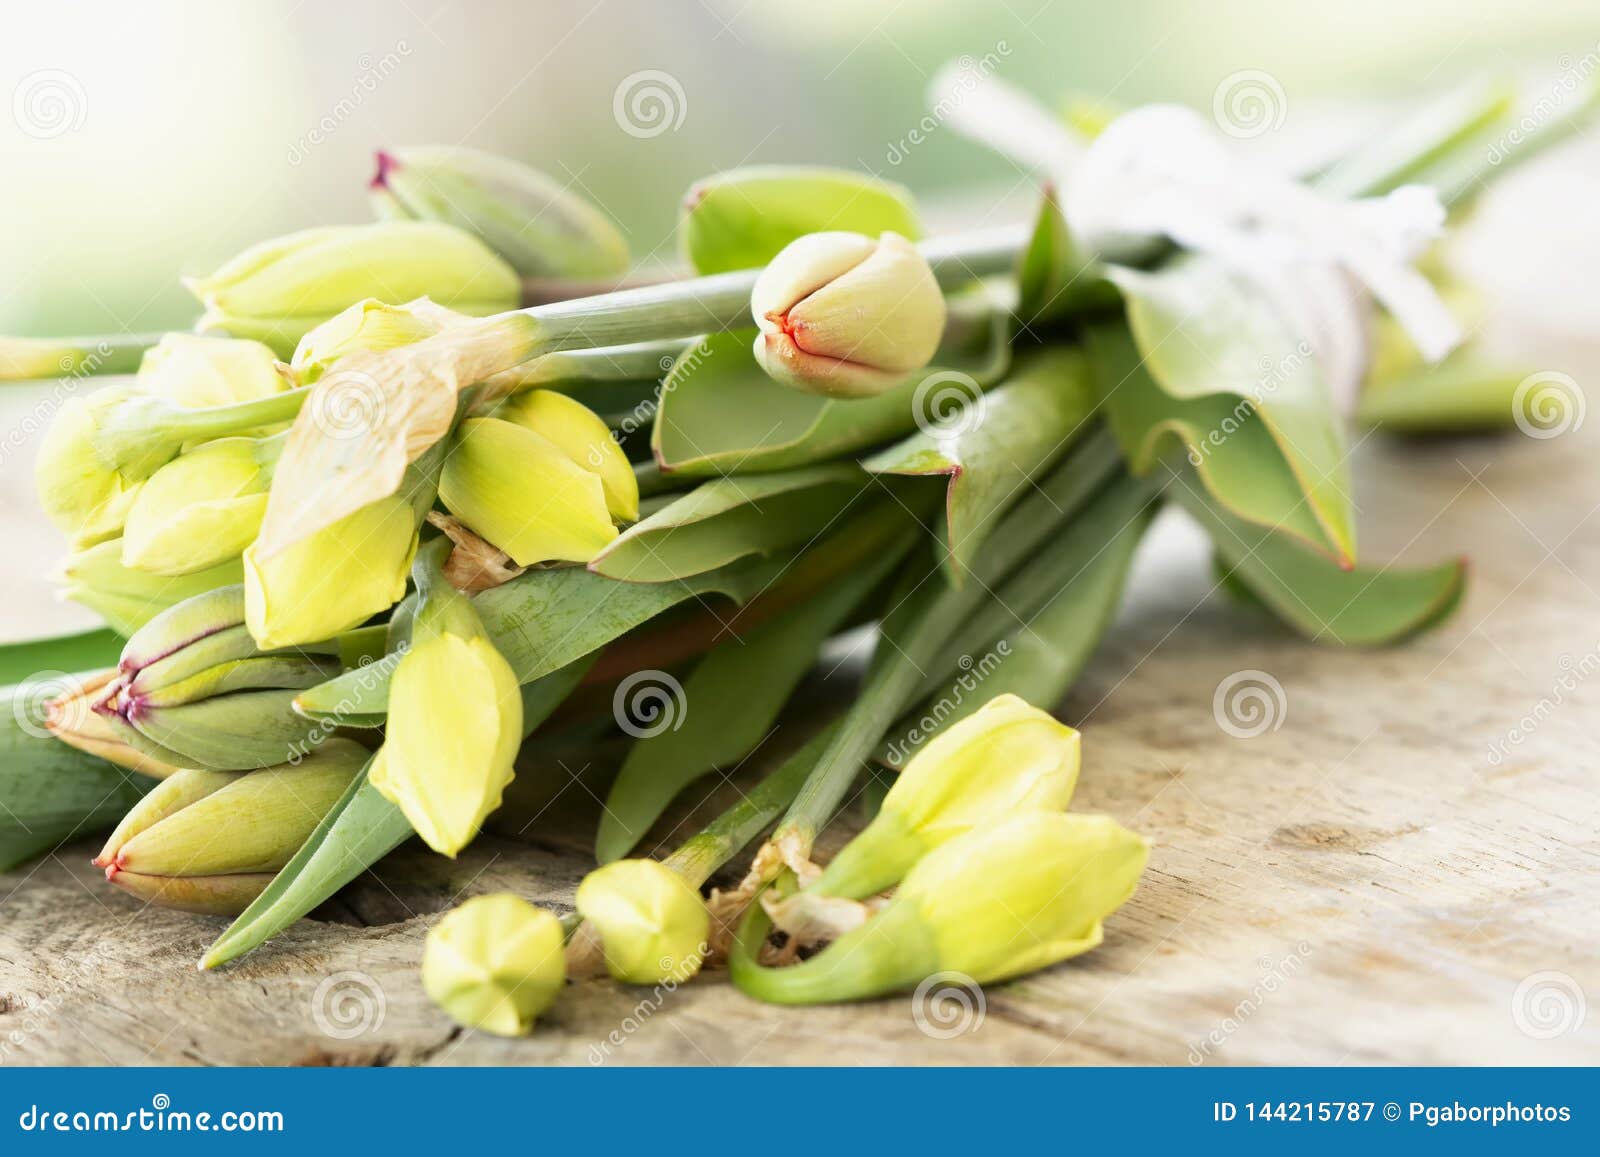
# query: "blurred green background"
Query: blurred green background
{"points": [[154, 140]]}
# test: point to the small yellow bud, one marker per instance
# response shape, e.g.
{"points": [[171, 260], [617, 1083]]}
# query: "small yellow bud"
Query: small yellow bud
{"points": [[998, 902], [128, 599], [455, 724], [84, 495], [653, 925], [369, 326], [585, 438], [495, 963], [201, 509], [198, 371], [525, 494], [1006, 758], [279, 290], [846, 316], [336, 579]]}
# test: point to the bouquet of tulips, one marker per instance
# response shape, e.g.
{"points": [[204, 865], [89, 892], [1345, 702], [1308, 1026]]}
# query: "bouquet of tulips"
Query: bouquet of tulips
{"points": [[420, 495]]}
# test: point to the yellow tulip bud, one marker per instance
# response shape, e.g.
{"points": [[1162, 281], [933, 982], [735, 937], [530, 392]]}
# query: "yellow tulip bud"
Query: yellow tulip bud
{"points": [[199, 371], [128, 599], [998, 902], [202, 508], [279, 290], [84, 495], [455, 719], [211, 841], [1006, 758], [585, 438], [524, 493], [653, 925], [846, 316], [494, 963], [369, 326], [336, 579]]}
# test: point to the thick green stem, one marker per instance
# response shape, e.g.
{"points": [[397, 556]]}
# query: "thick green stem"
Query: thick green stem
{"points": [[29, 358], [920, 626], [720, 840]]}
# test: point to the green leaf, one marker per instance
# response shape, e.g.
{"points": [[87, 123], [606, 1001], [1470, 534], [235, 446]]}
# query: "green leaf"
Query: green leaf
{"points": [[730, 701], [50, 792], [741, 219], [544, 619], [360, 830], [1279, 463], [1035, 635], [721, 414], [1364, 606], [728, 518], [991, 444], [1055, 277], [80, 652]]}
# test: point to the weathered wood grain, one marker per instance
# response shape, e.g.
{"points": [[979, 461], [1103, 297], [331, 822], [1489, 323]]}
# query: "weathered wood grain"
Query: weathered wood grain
{"points": [[1361, 885]]}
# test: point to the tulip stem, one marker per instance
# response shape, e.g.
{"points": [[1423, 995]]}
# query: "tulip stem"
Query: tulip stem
{"points": [[721, 301], [931, 613], [29, 358]]}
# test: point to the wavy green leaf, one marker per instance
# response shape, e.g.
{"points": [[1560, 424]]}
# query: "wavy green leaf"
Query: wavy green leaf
{"points": [[1246, 462], [991, 444], [721, 414], [728, 518], [1363, 606], [741, 219]]}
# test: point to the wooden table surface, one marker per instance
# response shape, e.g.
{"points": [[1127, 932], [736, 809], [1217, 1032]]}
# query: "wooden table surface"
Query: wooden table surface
{"points": [[1405, 870]]}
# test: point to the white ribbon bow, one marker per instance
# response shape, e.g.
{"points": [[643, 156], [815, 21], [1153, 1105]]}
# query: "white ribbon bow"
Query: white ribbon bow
{"points": [[1162, 173]]}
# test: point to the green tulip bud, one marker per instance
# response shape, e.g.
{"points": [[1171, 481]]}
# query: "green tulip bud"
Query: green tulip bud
{"points": [[846, 316], [278, 291], [455, 718], [71, 718], [998, 902], [523, 492], [541, 228], [197, 371], [202, 508], [369, 326], [196, 691], [211, 841], [1007, 757], [128, 599], [653, 926], [494, 963]]}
